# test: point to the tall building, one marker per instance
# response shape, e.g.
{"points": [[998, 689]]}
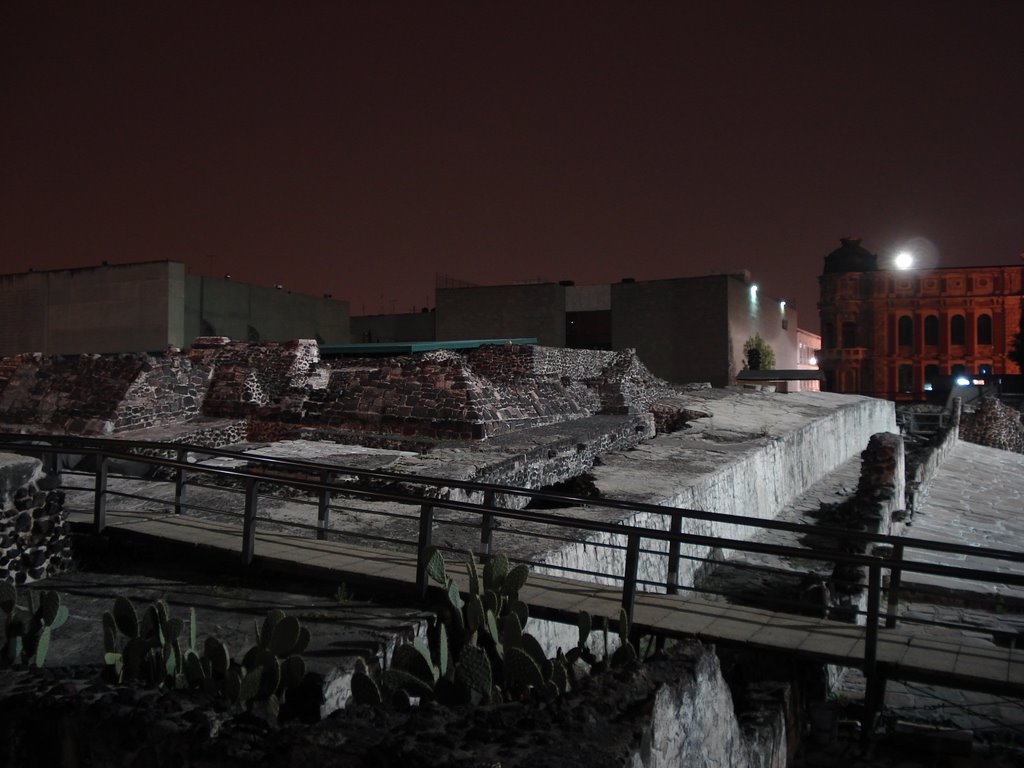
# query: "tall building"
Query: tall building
{"points": [[684, 329], [889, 332], [148, 306]]}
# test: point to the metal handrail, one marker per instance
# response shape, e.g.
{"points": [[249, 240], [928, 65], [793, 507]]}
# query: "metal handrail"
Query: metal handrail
{"points": [[115, 448], [318, 480]]}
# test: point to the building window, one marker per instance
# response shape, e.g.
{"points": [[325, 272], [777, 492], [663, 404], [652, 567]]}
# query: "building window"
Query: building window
{"points": [[849, 335], [931, 331], [957, 330], [931, 373], [829, 333], [906, 331], [906, 378], [984, 329]]}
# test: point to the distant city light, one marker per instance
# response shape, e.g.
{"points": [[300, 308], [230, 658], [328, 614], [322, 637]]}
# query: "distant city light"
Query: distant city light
{"points": [[813, 361], [904, 260], [963, 381]]}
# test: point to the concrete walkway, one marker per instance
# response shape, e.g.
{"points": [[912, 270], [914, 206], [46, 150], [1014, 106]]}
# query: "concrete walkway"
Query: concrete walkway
{"points": [[976, 499]]}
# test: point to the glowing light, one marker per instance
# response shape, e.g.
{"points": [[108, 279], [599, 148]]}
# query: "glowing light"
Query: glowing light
{"points": [[928, 386], [753, 292], [963, 381], [979, 382], [904, 260], [813, 361], [782, 306]]}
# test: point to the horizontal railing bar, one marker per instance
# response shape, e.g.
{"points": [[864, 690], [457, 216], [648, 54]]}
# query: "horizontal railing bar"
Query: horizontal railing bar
{"points": [[98, 444], [544, 518]]}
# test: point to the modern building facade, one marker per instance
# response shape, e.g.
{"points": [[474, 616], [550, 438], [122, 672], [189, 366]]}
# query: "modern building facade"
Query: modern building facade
{"points": [[684, 329], [892, 333], [148, 306]]}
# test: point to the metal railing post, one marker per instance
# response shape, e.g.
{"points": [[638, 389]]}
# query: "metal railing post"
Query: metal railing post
{"points": [[323, 508], [895, 575], [672, 582], [629, 577], [872, 697], [486, 527], [179, 481], [249, 525], [99, 509], [423, 544]]}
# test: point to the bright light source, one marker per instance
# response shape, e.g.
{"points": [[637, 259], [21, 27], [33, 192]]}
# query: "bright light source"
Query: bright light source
{"points": [[782, 306], [963, 381], [979, 382], [927, 386], [813, 361], [904, 260], [753, 292]]}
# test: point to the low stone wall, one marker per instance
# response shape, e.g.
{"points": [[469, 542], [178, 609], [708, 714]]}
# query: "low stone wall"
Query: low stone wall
{"points": [[924, 462], [34, 535]]}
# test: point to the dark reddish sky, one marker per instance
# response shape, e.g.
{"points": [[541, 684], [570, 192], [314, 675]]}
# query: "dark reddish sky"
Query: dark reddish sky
{"points": [[359, 148]]}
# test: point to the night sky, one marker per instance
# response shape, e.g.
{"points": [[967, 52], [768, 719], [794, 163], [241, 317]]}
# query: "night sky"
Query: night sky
{"points": [[359, 148]]}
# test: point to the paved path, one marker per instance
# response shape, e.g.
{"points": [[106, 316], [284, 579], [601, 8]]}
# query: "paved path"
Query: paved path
{"points": [[975, 499], [909, 656]]}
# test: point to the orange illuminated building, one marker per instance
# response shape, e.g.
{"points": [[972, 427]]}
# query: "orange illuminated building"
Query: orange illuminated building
{"points": [[891, 333]]}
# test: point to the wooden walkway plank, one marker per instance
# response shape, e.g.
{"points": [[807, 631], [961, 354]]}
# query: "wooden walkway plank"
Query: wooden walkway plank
{"points": [[906, 654]]}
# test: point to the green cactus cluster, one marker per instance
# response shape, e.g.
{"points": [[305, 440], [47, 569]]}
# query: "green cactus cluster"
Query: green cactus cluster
{"points": [[147, 647], [476, 651], [150, 649], [26, 639]]}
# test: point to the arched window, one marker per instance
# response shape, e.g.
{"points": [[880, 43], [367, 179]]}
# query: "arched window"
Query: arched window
{"points": [[984, 329], [957, 330], [906, 331], [931, 331]]}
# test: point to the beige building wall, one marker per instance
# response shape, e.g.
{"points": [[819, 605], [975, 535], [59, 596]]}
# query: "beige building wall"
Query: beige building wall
{"points": [[110, 308], [678, 327], [246, 312], [536, 311], [753, 312], [407, 326]]}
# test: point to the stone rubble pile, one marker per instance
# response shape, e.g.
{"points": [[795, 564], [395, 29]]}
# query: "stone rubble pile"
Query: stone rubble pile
{"points": [[994, 425]]}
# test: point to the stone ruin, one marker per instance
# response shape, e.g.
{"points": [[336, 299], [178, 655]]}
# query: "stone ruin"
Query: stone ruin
{"points": [[222, 391]]}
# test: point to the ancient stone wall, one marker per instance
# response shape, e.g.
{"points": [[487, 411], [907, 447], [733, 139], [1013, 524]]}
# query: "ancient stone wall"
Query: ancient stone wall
{"points": [[77, 394], [34, 536], [168, 389], [438, 394], [248, 376]]}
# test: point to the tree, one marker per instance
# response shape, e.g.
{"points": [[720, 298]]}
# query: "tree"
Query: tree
{"points": [[1016, 352], [758, 354]]}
